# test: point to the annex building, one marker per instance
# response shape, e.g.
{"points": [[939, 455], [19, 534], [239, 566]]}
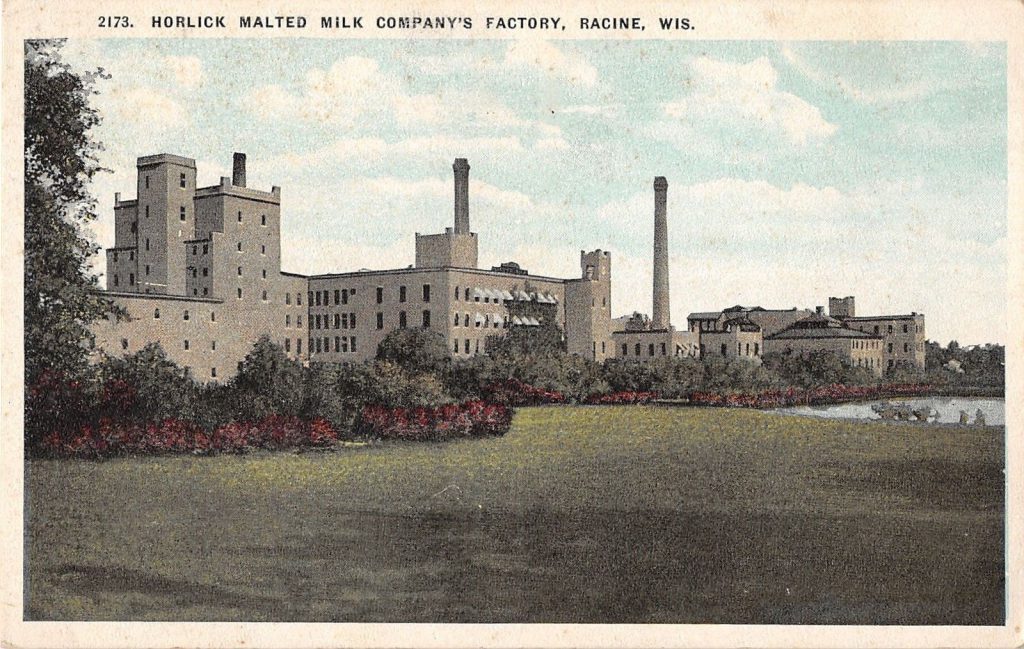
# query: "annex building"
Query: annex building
{"points": [[198, 270]]}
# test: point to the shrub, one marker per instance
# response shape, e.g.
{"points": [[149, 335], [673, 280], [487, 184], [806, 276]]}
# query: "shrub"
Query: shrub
{"points": [[621, 398], [513, 392], [450, 421]]}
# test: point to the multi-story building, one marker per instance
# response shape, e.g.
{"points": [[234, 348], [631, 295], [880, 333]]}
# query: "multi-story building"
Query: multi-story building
{"points": [[903, 336], [819, 332], [198, 270]]}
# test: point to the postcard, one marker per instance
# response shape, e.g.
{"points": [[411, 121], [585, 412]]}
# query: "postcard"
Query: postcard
{"points": [[459, 324]]}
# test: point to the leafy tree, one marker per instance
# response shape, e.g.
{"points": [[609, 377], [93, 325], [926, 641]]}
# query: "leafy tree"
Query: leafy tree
{"points": [[60, 161], [418, 351], [147, 386], [268, 382]]}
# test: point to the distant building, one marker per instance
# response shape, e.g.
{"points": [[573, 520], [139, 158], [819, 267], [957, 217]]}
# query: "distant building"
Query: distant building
{"points": [[903, 336], [819, 332]]}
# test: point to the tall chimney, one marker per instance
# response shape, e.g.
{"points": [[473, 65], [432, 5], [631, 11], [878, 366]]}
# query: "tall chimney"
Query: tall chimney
{"points": [[461, 169], [660, 306], [238, 171]]}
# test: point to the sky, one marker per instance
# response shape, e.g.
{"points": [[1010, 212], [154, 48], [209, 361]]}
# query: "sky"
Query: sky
{"points": [[796, 171]]}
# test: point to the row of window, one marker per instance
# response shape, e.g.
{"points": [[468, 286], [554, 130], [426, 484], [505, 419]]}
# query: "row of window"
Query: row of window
{"points": [[486, 322], [341, 321], [867, 344], [342, 345], [466, 346], [891, 329], [131, 255], [402, 294], [184, 315], [323, 298]]}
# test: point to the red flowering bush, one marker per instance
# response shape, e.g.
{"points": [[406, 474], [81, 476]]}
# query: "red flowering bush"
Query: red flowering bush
{"points": [[625, 397], [108, 438], [513, 392], [451, 421]]}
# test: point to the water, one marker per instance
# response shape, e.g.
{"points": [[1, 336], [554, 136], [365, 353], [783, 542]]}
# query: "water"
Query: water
{"points": [[948, 409]]}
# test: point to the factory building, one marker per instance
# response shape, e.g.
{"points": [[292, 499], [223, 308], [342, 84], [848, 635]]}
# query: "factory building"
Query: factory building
{"points": [[819, 332], [198, 270]]}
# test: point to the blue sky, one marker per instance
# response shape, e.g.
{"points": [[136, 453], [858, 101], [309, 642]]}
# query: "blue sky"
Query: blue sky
{"points": [[796, 170]]}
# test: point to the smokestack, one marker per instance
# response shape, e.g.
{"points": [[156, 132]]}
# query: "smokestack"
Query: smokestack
{"points": [[461, 169], [238, 170], [660, 306]]}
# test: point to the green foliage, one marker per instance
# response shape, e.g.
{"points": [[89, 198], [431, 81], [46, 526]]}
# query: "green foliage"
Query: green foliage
{"points": [[669, 377], [267, 383], [816, 368], [978, 366], [736, 375], [159, 388], [60, 161], [387, 384], [418, 351]]}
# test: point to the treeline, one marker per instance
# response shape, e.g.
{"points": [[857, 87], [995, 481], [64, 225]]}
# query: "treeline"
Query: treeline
{"points": [[143, 402]]}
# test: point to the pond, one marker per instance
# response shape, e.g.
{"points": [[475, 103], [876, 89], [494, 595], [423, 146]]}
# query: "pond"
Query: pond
{"points": [[943, 409]]}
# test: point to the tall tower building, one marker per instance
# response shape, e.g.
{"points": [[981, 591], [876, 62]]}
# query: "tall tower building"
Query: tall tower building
{"points": [[661, 305]]}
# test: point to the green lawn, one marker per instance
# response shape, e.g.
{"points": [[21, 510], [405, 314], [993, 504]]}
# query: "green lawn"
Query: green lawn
{"points": [[600, 514]]}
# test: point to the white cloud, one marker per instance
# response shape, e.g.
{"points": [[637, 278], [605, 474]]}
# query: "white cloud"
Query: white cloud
{"points": [[742, 95], [187, 70], [545, 57], [146, 108]]}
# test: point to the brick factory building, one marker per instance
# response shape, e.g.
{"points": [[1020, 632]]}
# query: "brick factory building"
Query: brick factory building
{"points": [[198, 269]]}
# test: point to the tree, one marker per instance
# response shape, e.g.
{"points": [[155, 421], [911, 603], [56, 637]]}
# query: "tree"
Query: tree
{"points": [[417, 351], [60, 161], [267, 383]]}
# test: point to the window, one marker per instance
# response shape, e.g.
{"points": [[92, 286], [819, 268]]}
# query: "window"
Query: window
{"points": [[131, 279], [380, 295], [380, 320], [352, 320], [890, 328], [456, 299], [337, 321], [906, 348], [147, 243], [455, 349], [239, 246], [890, 363], [147, 182], [664, 351], [353, 347], [298, 298], [264, 296], [905, 329], [263, 219], [723, 349], [636, 349], [318, 298], [467, 346], [213, 372], [288, 298], [181, 183], [186, 344], [337, 343], [195, 291], [185, 315], [757, 349], [298, 321], [337, 296], [147, 269], [206, 248], [156, 314], [650, 349], [401, 294], [401, 319], [465, 322], [319, 345], [264, 273], [890, 349], [181, 213], [194, 271], [456, 323], [426, 318], [317, 316], [206, 291], [287, 344], [239, 294], [239, 271], [239, 216], [327, 298], [213, 316], [263, 250], [426, 292], [124, 343], [206, 271], [116, 282], [298, 345], [288, 320]]}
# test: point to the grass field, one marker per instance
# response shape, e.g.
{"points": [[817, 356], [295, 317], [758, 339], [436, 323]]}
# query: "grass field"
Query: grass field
{"points": [[600, 514]]}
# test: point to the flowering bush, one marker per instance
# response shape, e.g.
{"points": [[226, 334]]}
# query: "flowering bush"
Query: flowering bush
{"points": [[470, 419], [810, 397], [108, 438], [513, 392], [621, 398]]}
